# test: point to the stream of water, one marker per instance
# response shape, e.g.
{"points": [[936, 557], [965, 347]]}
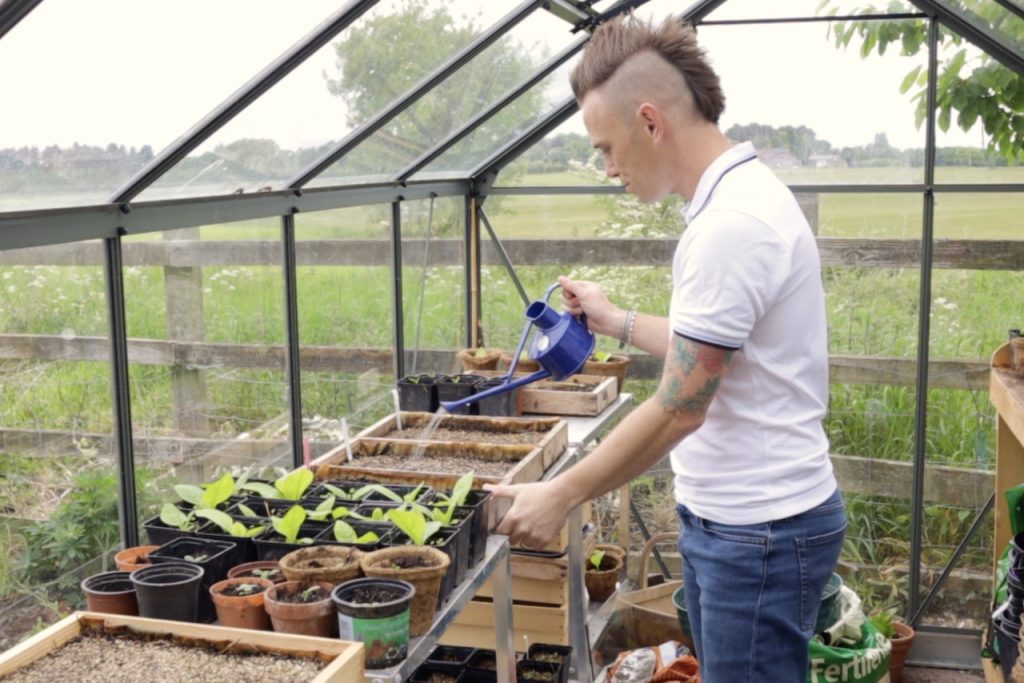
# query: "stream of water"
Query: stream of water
{"points": [[428, 431]]}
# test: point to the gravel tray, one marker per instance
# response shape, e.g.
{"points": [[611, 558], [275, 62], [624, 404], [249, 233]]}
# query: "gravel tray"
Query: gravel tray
{"points": [[98, 658], [451, 464], [468, 435]]}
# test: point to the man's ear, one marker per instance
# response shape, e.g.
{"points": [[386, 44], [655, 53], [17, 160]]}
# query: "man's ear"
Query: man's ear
{"points": [[651, 120]]}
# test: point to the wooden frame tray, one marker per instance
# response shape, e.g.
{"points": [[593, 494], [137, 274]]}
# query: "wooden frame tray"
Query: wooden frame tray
{"points": [[345, 657], [541, 398]]}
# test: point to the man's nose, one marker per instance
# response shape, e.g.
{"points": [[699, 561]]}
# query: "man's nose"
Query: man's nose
{"points": [[609, 168]]}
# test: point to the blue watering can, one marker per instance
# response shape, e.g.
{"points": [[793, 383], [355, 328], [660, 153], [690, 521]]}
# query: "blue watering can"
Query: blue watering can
{"points": [[561, 345]]}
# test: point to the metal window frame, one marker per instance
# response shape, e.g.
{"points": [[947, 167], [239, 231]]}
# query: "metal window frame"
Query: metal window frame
{"points": [[982, 37], [12, 12]]}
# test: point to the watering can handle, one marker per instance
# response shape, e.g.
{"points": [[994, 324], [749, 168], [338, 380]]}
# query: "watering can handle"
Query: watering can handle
{"points": [[582, 317]]}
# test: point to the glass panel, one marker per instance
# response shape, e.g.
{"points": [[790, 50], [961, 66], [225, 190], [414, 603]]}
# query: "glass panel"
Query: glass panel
{"points": [[511, 122], [563, 157], [461, 96], [345, 321], [334, 91], [119, 87], [991, 18], [209, 303], [787, 9], [58, 484], [820, 133], [863, 216]]}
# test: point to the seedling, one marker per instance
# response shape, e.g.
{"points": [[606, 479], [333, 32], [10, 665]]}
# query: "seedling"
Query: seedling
{"points": [[173, 517], [323, 510], [247, 588], [208, 496], [309, 594], [460, 491], [268, 574], [376, 515], [414, 524], [602, 356], [481, 352], [596, 558], [201, 557], [883, 622], [392, 496], [349, 494], [290, 487], [246, 510], [229, 525], [344, 533], [290, 525]]}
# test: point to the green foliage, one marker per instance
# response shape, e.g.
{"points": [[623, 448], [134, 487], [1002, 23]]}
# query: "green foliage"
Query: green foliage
{"points": [[323, 510], [978, 88], [229, 525], [289, 487], [443, 513], [353, 494], [596, 558], [210, 495], [344, 533], [414, 524], [601, 356], [883, 622], [290, 525]]}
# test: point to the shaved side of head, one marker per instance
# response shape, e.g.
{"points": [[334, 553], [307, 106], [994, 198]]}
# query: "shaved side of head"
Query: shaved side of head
{"points": [[647, 78]]}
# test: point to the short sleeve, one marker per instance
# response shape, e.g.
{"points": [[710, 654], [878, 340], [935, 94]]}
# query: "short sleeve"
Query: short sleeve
{"points": [[728, 272]]}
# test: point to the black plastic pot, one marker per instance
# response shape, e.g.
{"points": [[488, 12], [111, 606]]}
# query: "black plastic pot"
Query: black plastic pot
{"points": [[458, 387], [318, 492], [169, 590], [245, 549], [564, 652], [383, 532], [380, 621], [271, 546], [480, 502], [446, 541], [477, 667], [464, 518], [418, 392], [432, 671], [216, 563], [499, 405], [451, 655], [522, 667], [159, 533], [425, 496]]}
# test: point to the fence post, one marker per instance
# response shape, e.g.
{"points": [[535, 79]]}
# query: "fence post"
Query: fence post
{"points": [[810, 204], [183, 295]]}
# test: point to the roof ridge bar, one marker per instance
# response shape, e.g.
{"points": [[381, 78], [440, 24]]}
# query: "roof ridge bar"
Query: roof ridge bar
{"points": [[411, 96], [14, 11], [567, 108], [1011, 7], [241, 98], [481, 118], [1006, 54]]}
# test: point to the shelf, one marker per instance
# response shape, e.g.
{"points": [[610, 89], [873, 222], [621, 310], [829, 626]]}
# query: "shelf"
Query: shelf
{"points": [[1006, 390]]}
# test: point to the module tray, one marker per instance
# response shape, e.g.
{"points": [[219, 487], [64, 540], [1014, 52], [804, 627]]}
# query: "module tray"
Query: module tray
{"points": [[578, 395]]}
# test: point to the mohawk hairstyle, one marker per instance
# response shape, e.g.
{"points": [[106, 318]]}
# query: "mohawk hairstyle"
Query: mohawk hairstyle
{"points": [[673, 40]]}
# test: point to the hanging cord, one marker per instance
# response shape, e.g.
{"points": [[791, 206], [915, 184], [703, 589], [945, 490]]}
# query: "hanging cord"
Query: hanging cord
{"points": [[423, 282]]}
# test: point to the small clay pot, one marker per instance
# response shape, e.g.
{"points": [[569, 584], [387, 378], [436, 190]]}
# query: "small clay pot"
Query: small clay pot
{"points": [[427, 579], [472, 361], [601, 582], [130, 559], [327, 563], [241, 611], [111, 592], [615, 367], [243, 571], [316, 618]]}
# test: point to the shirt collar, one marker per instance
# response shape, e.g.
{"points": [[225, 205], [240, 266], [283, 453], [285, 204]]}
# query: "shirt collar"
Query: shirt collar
{"points": [[732, 157]]}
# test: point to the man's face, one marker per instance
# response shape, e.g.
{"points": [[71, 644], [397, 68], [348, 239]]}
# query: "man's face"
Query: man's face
{"points": [[625, 145]]}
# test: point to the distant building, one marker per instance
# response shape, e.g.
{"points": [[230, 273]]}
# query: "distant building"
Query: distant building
{"points": [[778, 158], [826, 161]]}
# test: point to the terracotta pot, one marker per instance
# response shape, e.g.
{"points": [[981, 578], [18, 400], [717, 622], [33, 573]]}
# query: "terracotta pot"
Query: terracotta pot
{"points": [[130, 559], [244, 569], [241, 611], [601, 582], [303, 618], [902, 639], [488, 360], [613, 367], [111, 592], [329, 563], [427, 579]]}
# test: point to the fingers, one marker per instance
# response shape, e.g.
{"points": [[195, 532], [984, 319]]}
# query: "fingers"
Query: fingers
{"points": [[503, 490]]}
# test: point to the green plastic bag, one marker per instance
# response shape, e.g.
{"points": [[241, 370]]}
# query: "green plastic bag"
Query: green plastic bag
{"points": [[866, 661]]}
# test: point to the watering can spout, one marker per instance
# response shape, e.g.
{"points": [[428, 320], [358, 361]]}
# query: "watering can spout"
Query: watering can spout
{"points": [[452, 406]]}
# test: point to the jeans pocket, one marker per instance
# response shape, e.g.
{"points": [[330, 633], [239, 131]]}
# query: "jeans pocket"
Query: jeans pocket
{"points": [[817, 556], [754, 534]]}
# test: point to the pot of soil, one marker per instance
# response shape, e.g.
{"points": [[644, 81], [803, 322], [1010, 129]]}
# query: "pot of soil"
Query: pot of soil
{"points": [[160, 533], [456, 388], [168, 591], [239, 603], [903, 639], [382, 530], [499, 405], [110, 592], [418, 392], [445, 539], [452, 655], [557, 655], [130, 559], [267, 569], [244, 550], [423, 567], [602, 572], [271, 545], [479, 359], [301, 608], [479, 502], [483, 664], [537, 671], [327, 563], [213, 556], [607, 365], [429, 672], [376, 613]]}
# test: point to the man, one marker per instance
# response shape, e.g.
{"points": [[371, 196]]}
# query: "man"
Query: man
{"points": [[745, 380]]}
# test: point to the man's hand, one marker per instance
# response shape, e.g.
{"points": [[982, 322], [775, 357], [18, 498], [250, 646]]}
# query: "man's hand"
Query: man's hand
{"points": [[538, 513], [583, 296]]}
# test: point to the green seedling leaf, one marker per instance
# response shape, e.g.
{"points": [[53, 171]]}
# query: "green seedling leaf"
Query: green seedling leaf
{"points": [[289, 525], [480, 352], [246, 510], [172, 516], [344, 533], [602, 356], [413, 524], [218, 492], [294, 484], [384, 491], [414, 494], [339, 512], [323, 509], [239, 530], [201, 557], [265, 490], [189, 493], [461, 489], [221, 519], [596, 557], [341, 494]]}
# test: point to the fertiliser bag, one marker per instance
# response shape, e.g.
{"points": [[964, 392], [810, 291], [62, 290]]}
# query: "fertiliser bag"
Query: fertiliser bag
{"points": [[856, 652]]}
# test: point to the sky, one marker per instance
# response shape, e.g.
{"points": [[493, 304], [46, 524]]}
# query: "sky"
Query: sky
{"points": [[138, 72]]}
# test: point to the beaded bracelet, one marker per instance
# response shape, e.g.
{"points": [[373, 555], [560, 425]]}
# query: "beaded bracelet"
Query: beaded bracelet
{"points": [[628, 323]]}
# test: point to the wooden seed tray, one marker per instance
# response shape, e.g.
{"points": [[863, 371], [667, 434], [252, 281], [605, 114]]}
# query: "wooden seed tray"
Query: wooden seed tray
{"points": [[544, 399], [345, 657]]}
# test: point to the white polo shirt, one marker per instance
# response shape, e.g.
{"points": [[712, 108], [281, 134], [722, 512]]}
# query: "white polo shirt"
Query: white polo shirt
{"points": [[746, 276]]}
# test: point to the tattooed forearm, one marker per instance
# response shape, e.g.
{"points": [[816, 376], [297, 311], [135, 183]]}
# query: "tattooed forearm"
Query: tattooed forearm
{"points": [[693, 372]]}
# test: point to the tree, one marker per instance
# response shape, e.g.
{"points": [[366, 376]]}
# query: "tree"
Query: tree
{"points": [[975, 87]]}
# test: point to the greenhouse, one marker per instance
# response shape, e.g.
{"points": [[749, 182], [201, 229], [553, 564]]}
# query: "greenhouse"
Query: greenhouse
{"points": [[242, 242]]}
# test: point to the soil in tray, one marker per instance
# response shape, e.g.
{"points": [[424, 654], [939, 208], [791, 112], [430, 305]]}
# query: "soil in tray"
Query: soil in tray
{"points": [[454, 463], [366, 595], [583, 388], [468, 435], [98, 657]]}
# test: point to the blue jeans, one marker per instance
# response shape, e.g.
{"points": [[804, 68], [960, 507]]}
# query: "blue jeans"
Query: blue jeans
{"points": [[753, 591]]}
